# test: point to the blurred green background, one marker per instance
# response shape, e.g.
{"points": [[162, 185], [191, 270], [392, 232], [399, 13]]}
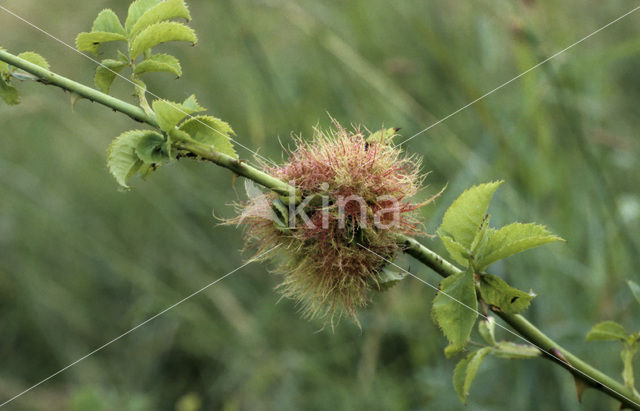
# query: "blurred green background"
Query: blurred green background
{"points": [[81, 262]]}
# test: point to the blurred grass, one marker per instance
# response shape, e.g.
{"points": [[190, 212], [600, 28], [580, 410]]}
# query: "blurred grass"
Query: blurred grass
{"points": [[82, 262]]}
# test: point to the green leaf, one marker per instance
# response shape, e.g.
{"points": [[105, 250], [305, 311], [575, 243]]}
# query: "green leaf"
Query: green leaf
{"points": [[466, 371], [34, 58], [506, 349], [91, 41], [280, 215], [166, 10], [494, 291], [487, 329], [169, 114], [123, 57], [455, 307], [389, 276], [451, 350], [9, 94], [627, 355], [512, 239], [253, 191], [606, 331], [455, 250], [159, 33], [159, 62], [136, 10], [191, 104], [106, 74], [123, 161], [108, 22], [178, 135], [383, 136], [635, 289], [462, 219], [482, 236], [152, 149], [211, 131]]}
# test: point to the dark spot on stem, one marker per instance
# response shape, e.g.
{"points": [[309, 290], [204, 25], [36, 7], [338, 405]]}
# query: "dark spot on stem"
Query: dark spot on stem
{"points": [[495, 308], [557, 354], [514, 299]]}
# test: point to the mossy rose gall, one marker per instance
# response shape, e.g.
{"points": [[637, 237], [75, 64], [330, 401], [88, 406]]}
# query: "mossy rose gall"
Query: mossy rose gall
{"points": [[355, 191]]}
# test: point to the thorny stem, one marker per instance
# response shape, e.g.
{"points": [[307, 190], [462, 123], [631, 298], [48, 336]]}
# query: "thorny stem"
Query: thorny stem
{"points": [[552, 351], [237, 166]]}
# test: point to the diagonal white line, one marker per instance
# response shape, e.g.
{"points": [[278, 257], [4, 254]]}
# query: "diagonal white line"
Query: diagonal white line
{"points": [[128, 80], [499, 325], [136, 327], [520, 75]]}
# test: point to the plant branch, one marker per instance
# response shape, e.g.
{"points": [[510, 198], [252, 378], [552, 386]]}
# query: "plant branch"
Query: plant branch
{"points": [[554, 352], [551, 350], [237, 166], [47, 77]]}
